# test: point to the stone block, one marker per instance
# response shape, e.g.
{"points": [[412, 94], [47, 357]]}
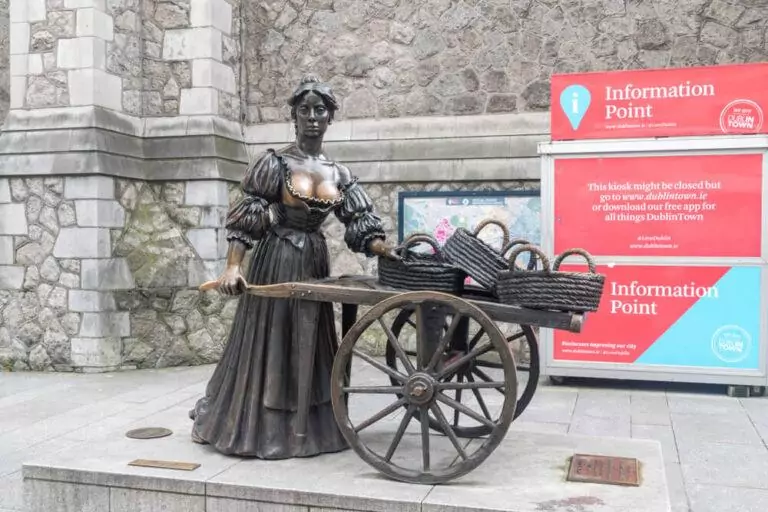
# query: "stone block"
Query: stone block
{"points": [[201, 271], [13, 220], [193, 43], [211, 13], [95, 87], [132, 500], [35, 10], [19, 38], [6, 250], [232, 505], [35, 64], [18, 91], [5, 191], [206, 193], [46, 496], [96, 351], [106, 324], [19, 65], [211, 73], [91, 22], [89, 187], [11, 278], [199, 101], [82, 53], [84, 4], [99, 213], [18, 11], [83, 243], [89, 301], [109, 274], [206, 242]]}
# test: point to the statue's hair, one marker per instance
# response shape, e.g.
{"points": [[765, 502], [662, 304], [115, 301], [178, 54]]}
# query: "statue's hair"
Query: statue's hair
{"points": [[312, 83]]}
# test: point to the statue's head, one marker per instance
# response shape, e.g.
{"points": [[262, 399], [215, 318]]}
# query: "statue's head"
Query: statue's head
{"points": [[313, 105]]}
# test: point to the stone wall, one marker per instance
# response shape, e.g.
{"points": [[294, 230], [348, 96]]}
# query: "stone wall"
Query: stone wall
{"points": [[5, 65], [393, 58]]}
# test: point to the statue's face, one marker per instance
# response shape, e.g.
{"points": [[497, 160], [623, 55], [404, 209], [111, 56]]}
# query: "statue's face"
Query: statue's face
{"points": [[312, 116]]}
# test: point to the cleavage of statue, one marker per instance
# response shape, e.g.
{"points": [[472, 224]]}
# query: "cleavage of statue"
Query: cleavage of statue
{"points": [[312, 175]]}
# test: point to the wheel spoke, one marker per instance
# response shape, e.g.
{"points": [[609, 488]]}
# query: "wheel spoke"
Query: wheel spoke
{"points": [[515, 336], [374, 390], [400, 432], [476, 352], [459, 380], [448, 430], [398, 348], [464, 409], [379, 366], [480, 373], [425, 439], [472, 384], [478, 396], [476, 338], [380, 415], [421, 336], [444, 343]]}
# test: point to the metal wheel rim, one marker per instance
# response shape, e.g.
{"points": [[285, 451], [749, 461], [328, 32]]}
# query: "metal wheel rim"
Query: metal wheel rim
{"points": [[456, 469]]}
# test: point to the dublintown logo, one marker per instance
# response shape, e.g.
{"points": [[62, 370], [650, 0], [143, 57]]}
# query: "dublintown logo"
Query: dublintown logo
{"points": [[574, 101], [731, 343], [741, 116]]}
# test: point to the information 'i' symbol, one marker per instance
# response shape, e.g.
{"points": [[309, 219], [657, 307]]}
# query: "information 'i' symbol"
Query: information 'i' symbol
{"points": [[575, 100]]}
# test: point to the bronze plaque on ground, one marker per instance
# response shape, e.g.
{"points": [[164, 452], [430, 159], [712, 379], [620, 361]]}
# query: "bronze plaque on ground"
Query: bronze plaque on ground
{"points": [[165, 464], [148, 433], [600, 469]]}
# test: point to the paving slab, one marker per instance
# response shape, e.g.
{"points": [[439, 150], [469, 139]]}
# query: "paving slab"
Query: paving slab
{"points": [[531, 466], [717, 498]]}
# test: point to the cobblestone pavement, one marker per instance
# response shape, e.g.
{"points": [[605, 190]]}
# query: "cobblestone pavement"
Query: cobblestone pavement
{"points": [[714, 446]]}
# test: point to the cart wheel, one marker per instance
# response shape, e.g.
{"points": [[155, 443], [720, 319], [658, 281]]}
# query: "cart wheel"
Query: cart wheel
{"points": [[422, 387], [478, 370]]}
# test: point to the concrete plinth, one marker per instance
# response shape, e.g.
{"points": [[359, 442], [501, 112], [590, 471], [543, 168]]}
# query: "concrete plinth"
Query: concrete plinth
{"points": [[525, 474]]}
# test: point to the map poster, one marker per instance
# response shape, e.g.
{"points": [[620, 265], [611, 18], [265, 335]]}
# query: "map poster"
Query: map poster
{"points": [[676, 205], [441, 213], [703, 316]]}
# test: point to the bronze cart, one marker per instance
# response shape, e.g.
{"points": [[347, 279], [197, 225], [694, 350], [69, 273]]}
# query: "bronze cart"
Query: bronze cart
{"points": [[447, 357]]}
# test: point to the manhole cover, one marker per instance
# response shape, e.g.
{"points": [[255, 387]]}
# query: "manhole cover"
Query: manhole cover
{"points": [[148, 433], [600, 469]]}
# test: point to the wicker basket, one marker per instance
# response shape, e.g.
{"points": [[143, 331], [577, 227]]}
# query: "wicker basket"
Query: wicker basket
{"points": [[479, 260], [550, 288], [417, 271]]}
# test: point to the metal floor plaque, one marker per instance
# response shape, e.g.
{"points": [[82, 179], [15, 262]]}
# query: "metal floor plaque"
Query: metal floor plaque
{"points": [[148, 433], [600, 469], [165, 464]]}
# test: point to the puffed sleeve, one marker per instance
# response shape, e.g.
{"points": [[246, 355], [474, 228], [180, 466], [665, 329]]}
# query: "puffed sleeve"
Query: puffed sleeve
{"points": [[361, 223], [248, 219]]}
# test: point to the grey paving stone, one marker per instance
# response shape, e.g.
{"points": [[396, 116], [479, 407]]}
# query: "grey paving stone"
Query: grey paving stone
{"points": [[600, 404], [550, 406], [661, 433], [716, 498], [735, 428], [650, 409], [617, 427], [678, 496], [12, 492], [699, 404], [520, 425], [724, 464]]}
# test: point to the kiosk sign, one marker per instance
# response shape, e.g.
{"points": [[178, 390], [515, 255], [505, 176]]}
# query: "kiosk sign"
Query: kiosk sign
{"points": [[716, 100], [641, 206], [671, 316]]}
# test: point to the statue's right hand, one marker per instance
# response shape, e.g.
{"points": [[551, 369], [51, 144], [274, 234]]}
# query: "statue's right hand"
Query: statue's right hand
{"points": [[232, 282]]}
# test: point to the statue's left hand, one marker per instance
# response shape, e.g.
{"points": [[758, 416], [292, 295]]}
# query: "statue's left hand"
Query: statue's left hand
{"points": [[380, 248]]}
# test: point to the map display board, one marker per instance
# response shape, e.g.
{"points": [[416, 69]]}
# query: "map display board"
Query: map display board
{"points": [[441, 213]]}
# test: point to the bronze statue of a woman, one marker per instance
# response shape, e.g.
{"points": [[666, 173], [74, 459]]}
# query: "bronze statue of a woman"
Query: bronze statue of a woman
{"points": [[254, 405]]}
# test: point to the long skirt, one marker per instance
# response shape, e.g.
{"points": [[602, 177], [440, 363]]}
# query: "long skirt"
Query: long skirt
{"points": [[250, 405]]}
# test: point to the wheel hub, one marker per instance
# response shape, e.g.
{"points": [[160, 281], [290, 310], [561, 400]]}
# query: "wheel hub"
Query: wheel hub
{"points": [[420, 389]]}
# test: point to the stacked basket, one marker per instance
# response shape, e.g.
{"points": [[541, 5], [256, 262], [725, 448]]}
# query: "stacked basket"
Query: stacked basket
{"points": [[465, 254]]}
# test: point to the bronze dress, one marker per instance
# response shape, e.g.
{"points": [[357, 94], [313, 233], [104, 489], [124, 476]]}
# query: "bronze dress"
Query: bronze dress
{"points": [[251, 402]]}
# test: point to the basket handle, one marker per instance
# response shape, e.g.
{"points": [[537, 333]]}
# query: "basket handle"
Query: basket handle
{"points": [[487, 222], [530, 249], [575, 252], [520, 241], [420, 238]]}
